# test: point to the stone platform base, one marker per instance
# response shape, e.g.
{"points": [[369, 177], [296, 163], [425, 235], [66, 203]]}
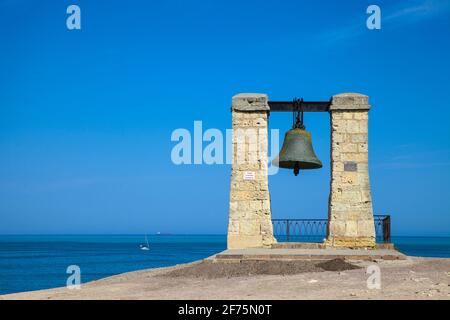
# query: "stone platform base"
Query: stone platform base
{"points": [[308, 254], [248, 241], [351, 242]]}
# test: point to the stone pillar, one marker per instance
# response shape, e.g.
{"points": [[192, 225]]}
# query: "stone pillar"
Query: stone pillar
{"points": [[250, 223], [350, 214]]}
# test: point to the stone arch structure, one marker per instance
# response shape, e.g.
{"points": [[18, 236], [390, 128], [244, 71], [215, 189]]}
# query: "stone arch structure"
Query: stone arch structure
{"points": [[350, 214]]}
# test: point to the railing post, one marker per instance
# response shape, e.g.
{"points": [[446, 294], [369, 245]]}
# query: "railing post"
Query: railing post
{"points": [[388, 229], [287, 230]]}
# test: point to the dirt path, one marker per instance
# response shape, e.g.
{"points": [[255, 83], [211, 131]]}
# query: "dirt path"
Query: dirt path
{"points": [[414, 278]]}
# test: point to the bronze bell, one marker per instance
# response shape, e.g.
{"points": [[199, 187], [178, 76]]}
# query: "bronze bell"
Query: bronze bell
{"points": [[297, 151]]}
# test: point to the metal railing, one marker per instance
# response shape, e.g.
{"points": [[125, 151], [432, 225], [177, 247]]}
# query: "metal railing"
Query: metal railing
{"points": [[315, 230], [383, 228]]}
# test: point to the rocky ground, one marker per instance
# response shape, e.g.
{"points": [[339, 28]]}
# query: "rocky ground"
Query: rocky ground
{"points": [[414, 278]]}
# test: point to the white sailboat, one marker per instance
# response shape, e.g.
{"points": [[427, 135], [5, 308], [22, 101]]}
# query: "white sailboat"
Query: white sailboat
{"points": [[145, 246]]}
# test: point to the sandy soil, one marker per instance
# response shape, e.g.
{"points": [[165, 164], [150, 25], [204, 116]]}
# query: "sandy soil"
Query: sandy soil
{"points": [[414, 278]]}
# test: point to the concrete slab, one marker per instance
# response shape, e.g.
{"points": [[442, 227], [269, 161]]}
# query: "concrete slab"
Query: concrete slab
{"points": [[309, 254]]}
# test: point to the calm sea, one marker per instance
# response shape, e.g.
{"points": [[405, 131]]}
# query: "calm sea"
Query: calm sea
{"points": [[40, 262]]}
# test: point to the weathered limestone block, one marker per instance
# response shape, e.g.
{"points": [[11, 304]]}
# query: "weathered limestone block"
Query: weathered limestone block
{"points": [[250, 223], [250, 102], [350, 219]]}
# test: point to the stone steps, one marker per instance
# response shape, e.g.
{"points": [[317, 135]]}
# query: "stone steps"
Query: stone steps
{"points": [[314, 245], [268, 254]]}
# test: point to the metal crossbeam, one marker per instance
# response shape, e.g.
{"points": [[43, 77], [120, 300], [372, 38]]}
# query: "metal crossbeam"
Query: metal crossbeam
{"points": [[306, 106]]}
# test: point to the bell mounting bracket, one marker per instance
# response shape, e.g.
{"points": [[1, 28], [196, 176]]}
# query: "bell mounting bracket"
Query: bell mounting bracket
{"points": [[297, 114]]}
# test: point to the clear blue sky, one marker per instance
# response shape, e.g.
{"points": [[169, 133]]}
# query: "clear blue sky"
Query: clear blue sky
{"points": [[86, 116]]}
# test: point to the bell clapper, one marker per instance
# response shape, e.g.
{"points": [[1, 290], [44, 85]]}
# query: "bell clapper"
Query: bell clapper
{"points": [[296, 169]]}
